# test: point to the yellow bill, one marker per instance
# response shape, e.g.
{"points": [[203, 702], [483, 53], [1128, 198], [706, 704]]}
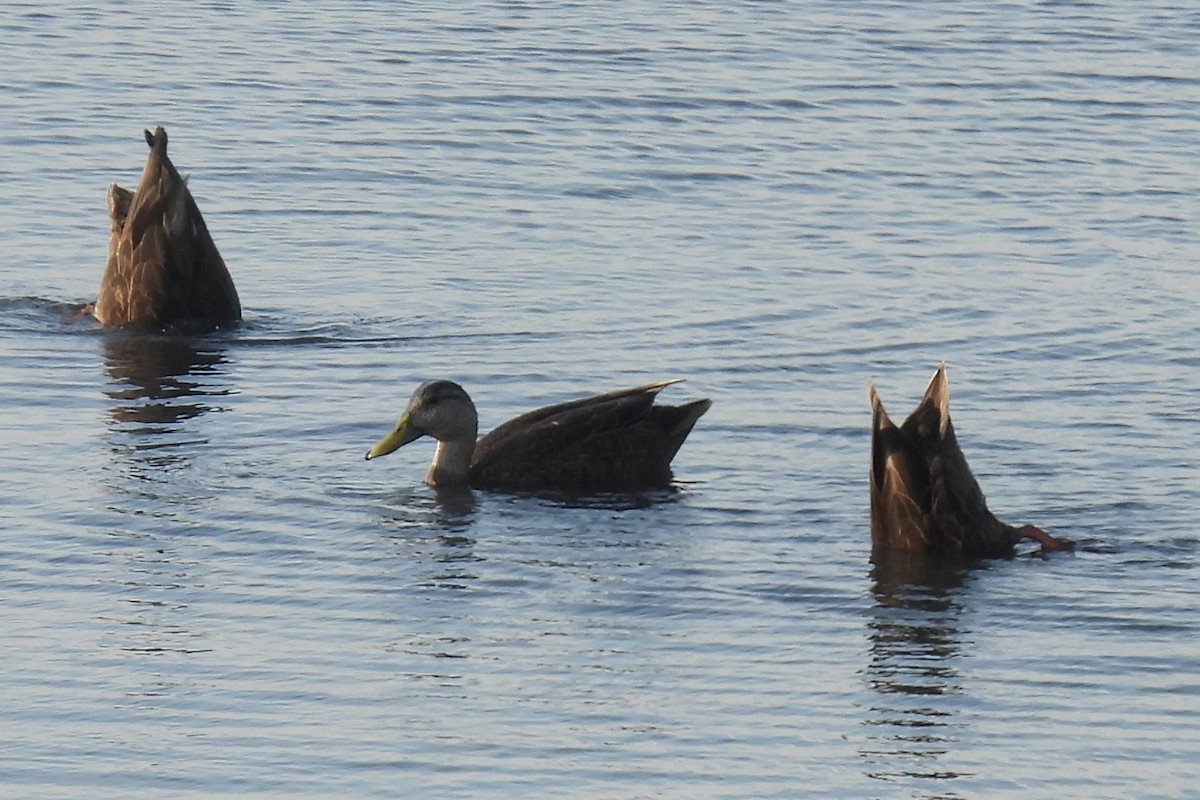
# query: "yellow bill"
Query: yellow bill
{"points": [[400, 435]]}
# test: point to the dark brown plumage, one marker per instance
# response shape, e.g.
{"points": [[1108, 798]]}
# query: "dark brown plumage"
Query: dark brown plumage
{"points": [[620, 441], [924, 498], [163, 268]]}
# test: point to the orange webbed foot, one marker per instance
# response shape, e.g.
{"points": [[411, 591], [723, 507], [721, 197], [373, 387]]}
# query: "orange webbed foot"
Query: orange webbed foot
{"points": [[1047, 541]]}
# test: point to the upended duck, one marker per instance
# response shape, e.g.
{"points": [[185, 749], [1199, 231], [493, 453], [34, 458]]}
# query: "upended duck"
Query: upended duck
{"points": [[620, 441], [924, 498], [163, 268]]}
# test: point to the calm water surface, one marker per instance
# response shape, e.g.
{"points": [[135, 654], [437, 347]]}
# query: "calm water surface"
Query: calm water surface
{"points": [[205, 591]]}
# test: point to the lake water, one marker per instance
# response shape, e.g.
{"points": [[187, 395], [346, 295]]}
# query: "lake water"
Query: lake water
{"points": [[206, 591]]}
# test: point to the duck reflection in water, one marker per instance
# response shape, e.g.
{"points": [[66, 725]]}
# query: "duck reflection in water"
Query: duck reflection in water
{"points": [[914, 642], [434, 527], [158, 383], [161, 381]]}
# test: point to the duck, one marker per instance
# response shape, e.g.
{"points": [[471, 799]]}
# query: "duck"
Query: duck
{"points": [[924, 498], [163, 268], [614, 442]]}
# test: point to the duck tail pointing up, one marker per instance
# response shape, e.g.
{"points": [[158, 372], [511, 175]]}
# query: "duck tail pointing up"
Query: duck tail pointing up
{"points": [[879, 417], [937, 396], [157, 140]]}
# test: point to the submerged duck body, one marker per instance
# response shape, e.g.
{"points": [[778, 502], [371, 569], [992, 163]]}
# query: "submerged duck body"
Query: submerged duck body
{"points": [[163, 268], [924, 498], [620, 441]]}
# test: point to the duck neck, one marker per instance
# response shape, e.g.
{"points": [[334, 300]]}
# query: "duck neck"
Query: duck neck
{"points": [[451, 463]]}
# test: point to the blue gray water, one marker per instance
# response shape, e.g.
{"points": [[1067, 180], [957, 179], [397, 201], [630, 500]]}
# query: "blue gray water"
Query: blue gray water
{"points": [[205, 591]]}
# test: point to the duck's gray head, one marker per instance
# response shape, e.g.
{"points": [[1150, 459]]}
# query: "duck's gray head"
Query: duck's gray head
{"points": [[441, 409]]}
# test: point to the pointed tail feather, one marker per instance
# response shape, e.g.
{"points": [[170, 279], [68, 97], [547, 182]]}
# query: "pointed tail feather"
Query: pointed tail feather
{"points": [[677, 421]]}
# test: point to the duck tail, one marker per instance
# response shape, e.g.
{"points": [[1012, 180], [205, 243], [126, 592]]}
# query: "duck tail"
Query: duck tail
{"points": [[677, 421]]}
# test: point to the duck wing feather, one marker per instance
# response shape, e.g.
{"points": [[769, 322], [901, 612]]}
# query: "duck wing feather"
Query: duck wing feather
{"points": [[614, 441]]}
